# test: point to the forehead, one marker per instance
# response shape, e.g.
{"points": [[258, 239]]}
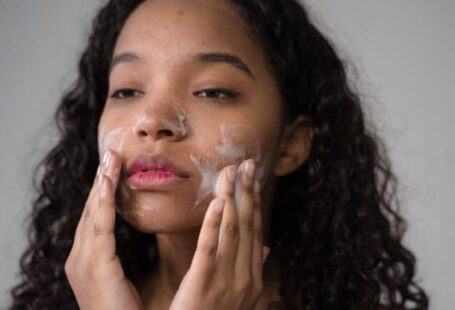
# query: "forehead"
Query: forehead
{"points": [[168, 30]]}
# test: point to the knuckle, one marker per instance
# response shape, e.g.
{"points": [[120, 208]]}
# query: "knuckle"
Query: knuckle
{"points": [[247, 187], [213, 223], [98, 230], [258, 234], [229, 191], [243, 287], [221, 284], [231, 230], [208, 249], [257, 288], [246, 224]]}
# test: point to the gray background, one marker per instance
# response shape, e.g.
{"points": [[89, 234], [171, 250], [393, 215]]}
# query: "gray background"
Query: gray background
{"points": [[403, 55]]}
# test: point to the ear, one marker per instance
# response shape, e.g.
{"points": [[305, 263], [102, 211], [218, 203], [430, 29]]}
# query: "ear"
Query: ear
{"points": [[295, 146]]}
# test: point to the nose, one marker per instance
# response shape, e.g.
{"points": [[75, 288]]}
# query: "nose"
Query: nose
{"points": [[170, 124]]}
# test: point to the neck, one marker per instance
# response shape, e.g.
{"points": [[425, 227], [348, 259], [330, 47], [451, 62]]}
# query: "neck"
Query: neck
{"points": [[175, 255]]}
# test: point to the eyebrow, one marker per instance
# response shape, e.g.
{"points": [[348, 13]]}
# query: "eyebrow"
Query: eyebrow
{"points": [[215, 57], [124, 57], [224, 57]]}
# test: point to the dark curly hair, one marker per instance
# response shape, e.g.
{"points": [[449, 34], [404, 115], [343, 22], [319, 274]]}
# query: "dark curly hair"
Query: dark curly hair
{"points": [[337, 233]]}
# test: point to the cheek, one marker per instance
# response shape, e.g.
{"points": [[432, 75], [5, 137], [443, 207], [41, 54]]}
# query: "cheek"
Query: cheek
{"points": [[111, 138], [234, 143], [212, 147], [112, 135]]}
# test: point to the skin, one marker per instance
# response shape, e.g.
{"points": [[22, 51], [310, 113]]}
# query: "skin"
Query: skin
{"points": [[210, 240]]}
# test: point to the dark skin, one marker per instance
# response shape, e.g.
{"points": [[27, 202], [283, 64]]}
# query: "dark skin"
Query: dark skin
{"points": [[198, 269]]}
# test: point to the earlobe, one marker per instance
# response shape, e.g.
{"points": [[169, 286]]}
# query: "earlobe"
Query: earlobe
{"points": [[295, 146]]}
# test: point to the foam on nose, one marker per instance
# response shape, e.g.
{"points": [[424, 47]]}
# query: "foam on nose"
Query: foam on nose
{"points": [[139, 119], [181, 125]]}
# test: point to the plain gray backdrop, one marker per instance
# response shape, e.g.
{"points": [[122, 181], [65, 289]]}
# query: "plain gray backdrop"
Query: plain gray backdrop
{"points": [[403, 56]]}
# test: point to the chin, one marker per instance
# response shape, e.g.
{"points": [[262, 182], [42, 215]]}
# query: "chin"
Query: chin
{"points": [[163, 213]]}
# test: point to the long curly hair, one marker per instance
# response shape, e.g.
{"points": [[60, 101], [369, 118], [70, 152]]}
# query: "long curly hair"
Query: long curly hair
{"points": [[337, 231]]}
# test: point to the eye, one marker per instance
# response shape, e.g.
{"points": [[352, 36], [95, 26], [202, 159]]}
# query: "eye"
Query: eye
{"points": [[217, 93], [125, 93]]}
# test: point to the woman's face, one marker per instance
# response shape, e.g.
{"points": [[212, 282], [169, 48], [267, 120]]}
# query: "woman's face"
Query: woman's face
{"points": [[189, 84]]}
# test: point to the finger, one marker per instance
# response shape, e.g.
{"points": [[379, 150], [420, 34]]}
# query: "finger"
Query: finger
{"points": [[228, 238], [245, 211], [103, 239], [101, 222], [207, 245], [257, 257], [104, 219], [85, 213], [113, 167], [89, 208]]}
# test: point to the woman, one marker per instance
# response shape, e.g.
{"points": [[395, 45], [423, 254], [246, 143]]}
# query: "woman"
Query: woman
{"points": [[228, 131]]}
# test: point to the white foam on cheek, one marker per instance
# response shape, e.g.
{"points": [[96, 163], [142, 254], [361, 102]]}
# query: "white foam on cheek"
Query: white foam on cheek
{"points": [[209, 178], [113, 139], [228, 150], [236, 153], [210, 174]]}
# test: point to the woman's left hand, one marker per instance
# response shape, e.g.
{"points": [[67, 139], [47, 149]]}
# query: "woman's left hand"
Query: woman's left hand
{"points": [[226, 270]]}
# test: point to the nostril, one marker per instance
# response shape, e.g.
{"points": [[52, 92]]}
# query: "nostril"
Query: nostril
{"points": [[159, 133], [166, 132], [143, 133]]}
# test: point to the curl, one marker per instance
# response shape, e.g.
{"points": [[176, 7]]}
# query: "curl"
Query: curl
{"points": [[336, 224]]}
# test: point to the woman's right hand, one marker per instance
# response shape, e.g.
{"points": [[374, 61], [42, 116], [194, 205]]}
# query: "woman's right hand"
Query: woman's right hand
{"points": [[93, 267]]}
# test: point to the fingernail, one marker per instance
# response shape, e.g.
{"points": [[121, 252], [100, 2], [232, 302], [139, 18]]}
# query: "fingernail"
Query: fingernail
{"points": [[219, 178], [109, 159], [249, 167], [231, 173], [105, 158], [106, 162]]}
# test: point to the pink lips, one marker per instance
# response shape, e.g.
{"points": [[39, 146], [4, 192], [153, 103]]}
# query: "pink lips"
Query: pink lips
{"points": [[154, 173]]}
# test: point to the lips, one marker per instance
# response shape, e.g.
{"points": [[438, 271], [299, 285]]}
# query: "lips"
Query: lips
{"points": [[154, 172]]}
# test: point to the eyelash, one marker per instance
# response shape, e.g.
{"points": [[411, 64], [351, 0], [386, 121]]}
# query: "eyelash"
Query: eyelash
{"points": [[118, 93], [227, 94], [125, 93]]}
